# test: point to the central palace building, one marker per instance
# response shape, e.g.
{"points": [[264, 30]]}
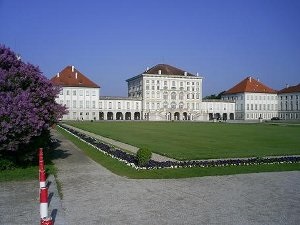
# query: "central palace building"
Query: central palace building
{"points": [[164, 93]]}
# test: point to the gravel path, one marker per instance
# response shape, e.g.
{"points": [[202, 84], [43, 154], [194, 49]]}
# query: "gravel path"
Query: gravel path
{"points": [[93, 195]]}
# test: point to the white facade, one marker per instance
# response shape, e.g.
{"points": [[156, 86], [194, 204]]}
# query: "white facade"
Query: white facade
{"points": [[166, 94], [218, 109], [168, 97], [253, 106], [119, 108], [289, 106], [81, 102]]}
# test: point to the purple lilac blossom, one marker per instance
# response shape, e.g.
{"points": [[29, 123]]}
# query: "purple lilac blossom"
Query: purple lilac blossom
{"points": [[27, 101]]}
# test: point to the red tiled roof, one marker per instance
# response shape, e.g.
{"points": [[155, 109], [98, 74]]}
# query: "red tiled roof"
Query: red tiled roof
{"points": [[68, 78], [166, 70], [250, 85], [290, 89]]}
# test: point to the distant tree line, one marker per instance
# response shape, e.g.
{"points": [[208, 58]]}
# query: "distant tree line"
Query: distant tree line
{"points": [[214, 96]]}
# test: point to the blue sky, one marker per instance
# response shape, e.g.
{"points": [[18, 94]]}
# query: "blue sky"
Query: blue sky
{"points": [[110, 41]]}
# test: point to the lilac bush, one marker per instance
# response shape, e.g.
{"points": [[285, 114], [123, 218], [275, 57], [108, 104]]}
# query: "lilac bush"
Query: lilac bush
{"points": [[27, 102]]}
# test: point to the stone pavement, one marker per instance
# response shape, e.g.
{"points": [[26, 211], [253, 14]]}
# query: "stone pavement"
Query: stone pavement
{"points": [[93, 195], [20, 203]]}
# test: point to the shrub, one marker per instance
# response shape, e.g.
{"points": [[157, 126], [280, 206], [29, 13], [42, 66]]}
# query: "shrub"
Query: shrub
{"points": [[27, 104], [143, 156], [6, 164]]}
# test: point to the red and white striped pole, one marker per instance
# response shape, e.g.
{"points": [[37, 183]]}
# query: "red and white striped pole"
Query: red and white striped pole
{"points": [[45, 220], [42, 173], [42, 178], [44, 202]]}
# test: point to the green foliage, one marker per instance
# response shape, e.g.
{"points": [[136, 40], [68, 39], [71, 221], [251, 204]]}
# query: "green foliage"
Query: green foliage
{"points": [[6, 164], [143, 156]]}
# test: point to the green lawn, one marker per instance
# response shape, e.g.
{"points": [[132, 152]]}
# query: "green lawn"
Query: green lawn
{"points": [[186, 141], [121, 169]]}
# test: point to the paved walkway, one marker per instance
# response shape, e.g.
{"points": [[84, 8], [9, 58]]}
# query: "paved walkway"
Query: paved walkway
{"points": [[93, 195], [120, 145]]}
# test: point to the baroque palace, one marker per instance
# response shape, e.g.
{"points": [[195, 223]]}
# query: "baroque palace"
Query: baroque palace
{"points": [[164, 93]]}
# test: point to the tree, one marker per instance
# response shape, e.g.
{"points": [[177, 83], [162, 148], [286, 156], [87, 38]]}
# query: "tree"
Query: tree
{"points": [[27, 103], [215, 96]]}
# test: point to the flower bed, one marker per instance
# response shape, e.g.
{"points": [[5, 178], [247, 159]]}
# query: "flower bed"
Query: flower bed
{"points": [[131, 160]]}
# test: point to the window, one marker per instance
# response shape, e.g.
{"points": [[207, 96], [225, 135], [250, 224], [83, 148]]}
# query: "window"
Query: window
{"points": [[181, 84], [93, 104], [74, 92], [128, 105], [100, 105], [137, 105], [68, 103], [153, 94], [173, 83], [94, 93], [173, 96], [158, 105], [81, 104], [165, 105], [165, 83], [119, 105], [247, 106], [147, 87], [61, 92], [80, 92], [87, 104], [165, 95], [181, 96], [74, 104], [173, 105], [110, 105], [181, 105], [251, 106], [68, 92]]}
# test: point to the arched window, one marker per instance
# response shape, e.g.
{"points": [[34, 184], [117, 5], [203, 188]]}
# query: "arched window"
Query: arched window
{"points": [[165, 95], [181, 105], [173, 105], [165, 105], [173, 96], [181, 96]]}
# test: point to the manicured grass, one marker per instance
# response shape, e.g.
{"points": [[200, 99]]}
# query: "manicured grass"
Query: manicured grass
{"points": [[28, 173], [126, 171], [185, 141]]}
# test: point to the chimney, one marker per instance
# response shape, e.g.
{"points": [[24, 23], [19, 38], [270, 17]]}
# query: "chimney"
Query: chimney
{"points": [[250, 79], [185, 73], [258, 79], [159, 72], [147, 68], [197, 74], [76, 75], [72, 68], [286, 85], [57, 74]]}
